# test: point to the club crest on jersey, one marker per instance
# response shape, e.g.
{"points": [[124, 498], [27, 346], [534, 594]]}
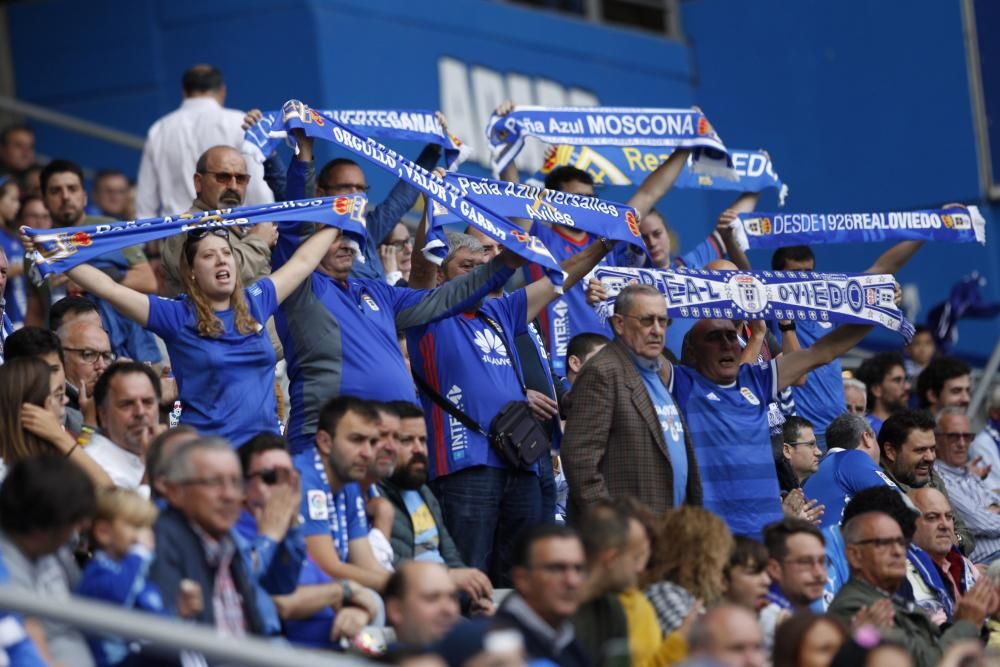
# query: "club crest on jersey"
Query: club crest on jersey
{"points": [[370, 302], [749, 395]]}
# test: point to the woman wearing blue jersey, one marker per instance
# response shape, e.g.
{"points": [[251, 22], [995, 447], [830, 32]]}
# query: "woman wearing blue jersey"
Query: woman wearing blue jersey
{"points": [[219, 349]]}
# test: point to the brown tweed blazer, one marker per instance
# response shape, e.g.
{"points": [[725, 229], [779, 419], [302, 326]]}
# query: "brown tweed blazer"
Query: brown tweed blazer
{"points": [[614, 445]]}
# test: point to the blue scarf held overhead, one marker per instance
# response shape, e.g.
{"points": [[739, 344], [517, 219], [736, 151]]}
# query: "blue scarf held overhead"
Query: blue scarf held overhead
{"points": [[599, 217], [774, 230], [296, 115], [765, 295], [610, 126], [630, 165], [406, 124], [58, 250]]}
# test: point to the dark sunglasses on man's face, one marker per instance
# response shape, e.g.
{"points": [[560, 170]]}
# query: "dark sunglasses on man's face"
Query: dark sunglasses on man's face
{"points": [[225, 177], [272, 476]]}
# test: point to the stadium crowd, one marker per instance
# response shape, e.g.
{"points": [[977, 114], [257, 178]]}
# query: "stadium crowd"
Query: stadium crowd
{"points": [[287, 435]]}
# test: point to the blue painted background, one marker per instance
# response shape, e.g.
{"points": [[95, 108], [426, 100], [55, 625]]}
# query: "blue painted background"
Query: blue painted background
{"points": [[861, 105]]}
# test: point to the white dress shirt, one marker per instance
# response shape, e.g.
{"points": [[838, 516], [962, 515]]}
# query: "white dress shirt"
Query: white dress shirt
{"points": [[173, 146], [123, 467]]}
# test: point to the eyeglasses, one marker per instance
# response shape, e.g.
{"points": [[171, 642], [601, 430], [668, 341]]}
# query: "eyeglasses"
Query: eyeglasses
{"points": [[224, 177], [808, 443], [201, 232], [90, 356], [648, 320], [958, 437], [399, 245], [882, 543], [216, 483], [346, 188], [272, 476]]}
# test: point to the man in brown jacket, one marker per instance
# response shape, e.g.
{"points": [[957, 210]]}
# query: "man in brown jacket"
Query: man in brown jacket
{"points": [[625, 435]]}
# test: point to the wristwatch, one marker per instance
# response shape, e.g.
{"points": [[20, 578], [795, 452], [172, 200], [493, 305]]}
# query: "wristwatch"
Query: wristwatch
{"points": [[787, 327], [346, 593]]}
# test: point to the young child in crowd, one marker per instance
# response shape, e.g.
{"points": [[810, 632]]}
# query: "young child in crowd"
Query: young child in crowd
{"points": [[122, 537]]}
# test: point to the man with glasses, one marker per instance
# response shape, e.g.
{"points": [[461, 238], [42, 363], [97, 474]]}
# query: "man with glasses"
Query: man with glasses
{"points": [[87, 352], [876, 553], [888, 389], [549, 574], [344, 176], [972, 499], [175, 141], [850, 465], [797, 567], [196, 540], [726, 405], [800, 453], [220, 181], [312, 606]]}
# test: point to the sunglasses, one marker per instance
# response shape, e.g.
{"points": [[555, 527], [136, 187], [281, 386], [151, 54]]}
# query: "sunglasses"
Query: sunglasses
{"points": [[201, 232], [224, 177], [272, 476]]}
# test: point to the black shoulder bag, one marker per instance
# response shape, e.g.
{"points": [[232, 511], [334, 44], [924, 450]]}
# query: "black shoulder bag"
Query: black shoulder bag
{"points": [[514, 433]]}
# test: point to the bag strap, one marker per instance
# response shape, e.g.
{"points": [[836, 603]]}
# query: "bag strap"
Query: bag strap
{"points": [[493, 324], [449, 407]]}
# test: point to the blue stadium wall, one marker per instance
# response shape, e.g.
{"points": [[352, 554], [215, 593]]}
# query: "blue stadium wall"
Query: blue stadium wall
{"points": [[861, 105]]}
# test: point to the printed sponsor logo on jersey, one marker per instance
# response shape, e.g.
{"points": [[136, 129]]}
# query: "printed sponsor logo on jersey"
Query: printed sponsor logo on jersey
{"points": [[370, 302], [493, 349]]}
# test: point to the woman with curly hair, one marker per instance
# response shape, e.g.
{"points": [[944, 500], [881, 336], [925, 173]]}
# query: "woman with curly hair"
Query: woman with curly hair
{"points": [[32, 407], [219, 350], [691, 548]]}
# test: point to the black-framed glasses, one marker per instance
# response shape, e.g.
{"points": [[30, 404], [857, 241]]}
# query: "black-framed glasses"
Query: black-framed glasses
{"points": [[272, 476], [399, 245], [225, 177], [883, 542], [649, 320], [807, 443], [91, 356], [201, 232]]}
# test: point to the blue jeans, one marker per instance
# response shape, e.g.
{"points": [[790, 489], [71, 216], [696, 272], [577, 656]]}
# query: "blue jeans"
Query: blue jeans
{"points": [[484, 509]]}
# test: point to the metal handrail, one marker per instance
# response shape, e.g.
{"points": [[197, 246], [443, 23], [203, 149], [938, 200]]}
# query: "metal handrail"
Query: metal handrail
{"points": [[72, 123], [171, 634]]}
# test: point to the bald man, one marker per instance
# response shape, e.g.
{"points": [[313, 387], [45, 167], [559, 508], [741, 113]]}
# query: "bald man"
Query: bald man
{"points": [[220, 181], [88, 353], [935, 534], [728, 635], [421, 602]]}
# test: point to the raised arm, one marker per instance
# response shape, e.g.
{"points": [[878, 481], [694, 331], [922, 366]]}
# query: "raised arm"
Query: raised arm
{"points": [[542, 292], [509, 172], [423, 273], [893, 259], [745, 203], [658, 184], [826, 349], [130, 303]]}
